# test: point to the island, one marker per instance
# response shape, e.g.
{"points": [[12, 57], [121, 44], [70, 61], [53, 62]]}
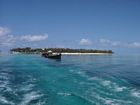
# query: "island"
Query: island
{"points": [[63, 51]]}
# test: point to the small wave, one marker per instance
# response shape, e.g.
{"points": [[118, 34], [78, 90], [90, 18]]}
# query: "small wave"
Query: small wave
{"points": [[119, 89], [64, 94], [135, 93], [3, 100], [3, 84], [82, 74], [93, 78], [30, 97], [113, 85], [71, 70], [79, 97], [2, 77], [82, 98], [111, 101], [106, 83], [27, 88]]}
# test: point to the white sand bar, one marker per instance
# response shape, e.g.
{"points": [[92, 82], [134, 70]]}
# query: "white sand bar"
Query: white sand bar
{"points": [[86, 53]]}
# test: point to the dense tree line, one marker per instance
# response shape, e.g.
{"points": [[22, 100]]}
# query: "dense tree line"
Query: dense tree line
{"points": [[58, 50]]}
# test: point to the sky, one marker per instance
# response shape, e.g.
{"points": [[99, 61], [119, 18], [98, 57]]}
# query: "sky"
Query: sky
{"points": [[90, 24]]}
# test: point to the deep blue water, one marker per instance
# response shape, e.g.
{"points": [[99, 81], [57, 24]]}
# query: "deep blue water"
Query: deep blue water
{"points": [[73, 80]]}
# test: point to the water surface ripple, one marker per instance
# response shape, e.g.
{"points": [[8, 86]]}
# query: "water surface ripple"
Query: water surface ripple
{"points": [[73, 80]]}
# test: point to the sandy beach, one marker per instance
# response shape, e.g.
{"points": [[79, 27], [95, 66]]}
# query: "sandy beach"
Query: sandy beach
{"points": [[86, 53]]}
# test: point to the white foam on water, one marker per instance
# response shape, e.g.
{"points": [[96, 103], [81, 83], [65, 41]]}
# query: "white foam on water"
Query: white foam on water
{"points": [[8, 89], [83, 98], [112, 85], [27, 88], [3, 100], [3, 84], [135, 93], [64, 93], [81, 73], [101, 81], [119, 89], [41, 103], [3, 77], [93, 78], [31, 79], [111, 101], [106, 83], [30, 97], [104, 100]]}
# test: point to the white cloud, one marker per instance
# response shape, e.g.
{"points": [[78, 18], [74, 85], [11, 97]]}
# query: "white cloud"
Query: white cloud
{"points": [[5, 38], [85, 42], [117, 43], [33, 38], [134, 45], [4, 31], [109, 42], [105, 41]]}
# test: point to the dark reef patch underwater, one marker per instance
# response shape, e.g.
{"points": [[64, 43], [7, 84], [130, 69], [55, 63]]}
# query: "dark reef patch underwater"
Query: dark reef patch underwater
{"points": [[73, 80]]}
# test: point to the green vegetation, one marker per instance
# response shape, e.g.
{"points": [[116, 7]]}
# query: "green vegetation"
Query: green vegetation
{"points": [[58, 50]]}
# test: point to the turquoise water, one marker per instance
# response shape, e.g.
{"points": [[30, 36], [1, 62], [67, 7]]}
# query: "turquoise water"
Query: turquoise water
{"points": [[74, 80]]}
